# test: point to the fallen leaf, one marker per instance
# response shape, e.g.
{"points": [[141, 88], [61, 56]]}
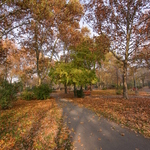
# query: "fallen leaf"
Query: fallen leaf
{"points": [[122, 134]]}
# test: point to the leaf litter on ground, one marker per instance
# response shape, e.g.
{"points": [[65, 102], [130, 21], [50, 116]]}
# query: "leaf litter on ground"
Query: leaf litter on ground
{"points": [[33, 125], [133, 113]]}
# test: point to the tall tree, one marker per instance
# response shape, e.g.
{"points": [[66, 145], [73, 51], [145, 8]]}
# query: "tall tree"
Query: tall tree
{"points": [[49, 20], [120, 20], [9, 57]]}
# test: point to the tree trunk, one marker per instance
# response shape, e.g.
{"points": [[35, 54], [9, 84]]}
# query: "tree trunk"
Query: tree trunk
{"points": [[125, 88], [59, 87], [38, 73], [90, 87], [75, 91], [37, 56], [134, 83], [81, 87], [65, 88], [117, 77], [39, 80], [135, 86]]}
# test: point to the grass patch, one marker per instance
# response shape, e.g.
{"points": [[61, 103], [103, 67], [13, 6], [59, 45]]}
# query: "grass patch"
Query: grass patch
{"points": [[30, 125]]}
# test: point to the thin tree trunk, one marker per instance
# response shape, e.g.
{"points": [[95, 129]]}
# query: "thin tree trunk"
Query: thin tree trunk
{"points": [[135, 86], [40, 81], [65, 88], [90, 87], [75, 91], [117, 77], [10, 79], [59, 86], [37, 56]]}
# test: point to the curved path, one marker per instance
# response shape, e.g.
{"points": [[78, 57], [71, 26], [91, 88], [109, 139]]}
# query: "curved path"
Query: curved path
{"points": [[89, 132]]}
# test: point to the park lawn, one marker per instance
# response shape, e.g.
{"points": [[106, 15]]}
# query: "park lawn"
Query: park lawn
{"points": [[133, 113], [103, 92], [109, 92], [33, 125]]}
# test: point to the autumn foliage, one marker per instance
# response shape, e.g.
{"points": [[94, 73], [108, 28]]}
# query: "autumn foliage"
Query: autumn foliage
{"points": [[32, 125]]}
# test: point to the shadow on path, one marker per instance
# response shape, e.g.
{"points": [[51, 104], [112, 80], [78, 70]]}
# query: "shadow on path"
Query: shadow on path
{"points": [[90, 132]]}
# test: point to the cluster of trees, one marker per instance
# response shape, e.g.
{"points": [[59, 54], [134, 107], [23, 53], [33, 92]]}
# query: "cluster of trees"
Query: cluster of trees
{"points": [[36, 27], [126, 23], [110, 74], [78, 64], [33, 33]]}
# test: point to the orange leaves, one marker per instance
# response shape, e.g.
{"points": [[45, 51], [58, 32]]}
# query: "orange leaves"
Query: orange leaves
{"points": [[29, 124], [133, 113]]}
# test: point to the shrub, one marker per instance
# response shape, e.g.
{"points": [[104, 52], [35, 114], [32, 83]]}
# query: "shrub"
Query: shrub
{"points": [[129, 85], [27, 95], [113, 86], [80, 93], [8, 94], [104, 88], [118, 92], [18, 86], [42, 92], [139, 86]]}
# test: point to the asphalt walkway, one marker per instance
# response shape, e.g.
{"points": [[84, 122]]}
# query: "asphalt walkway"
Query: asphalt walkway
{"points": [[90, 132]]}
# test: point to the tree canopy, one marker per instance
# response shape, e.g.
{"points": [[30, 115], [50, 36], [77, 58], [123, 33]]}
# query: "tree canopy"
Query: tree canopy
{"points": [[52, 37], [123, 22]]}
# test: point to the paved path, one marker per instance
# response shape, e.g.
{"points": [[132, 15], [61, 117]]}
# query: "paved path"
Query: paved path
{"points": [[89, 132]]}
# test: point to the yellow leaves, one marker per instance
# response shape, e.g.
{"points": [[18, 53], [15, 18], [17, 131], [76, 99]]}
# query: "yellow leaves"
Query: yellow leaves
{"points": [[2, 142]]}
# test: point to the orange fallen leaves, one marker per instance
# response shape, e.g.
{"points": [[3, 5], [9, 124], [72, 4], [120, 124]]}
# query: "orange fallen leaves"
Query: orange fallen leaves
{"points": [[30, 125], [133, 113]]}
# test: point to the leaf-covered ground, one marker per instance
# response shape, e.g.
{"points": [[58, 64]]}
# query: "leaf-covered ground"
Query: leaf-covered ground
{"points": [[133, 113], [33, 125], [111, 92]]}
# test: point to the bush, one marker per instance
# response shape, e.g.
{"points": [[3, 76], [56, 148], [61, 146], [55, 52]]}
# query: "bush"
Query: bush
{"points": [[113, 86], [8, 94], [27, 95], [80, 93], [129, 85], [42, 92], [104, 88], [139, 86], [118, 92], [5, 103], [18, 86]]}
